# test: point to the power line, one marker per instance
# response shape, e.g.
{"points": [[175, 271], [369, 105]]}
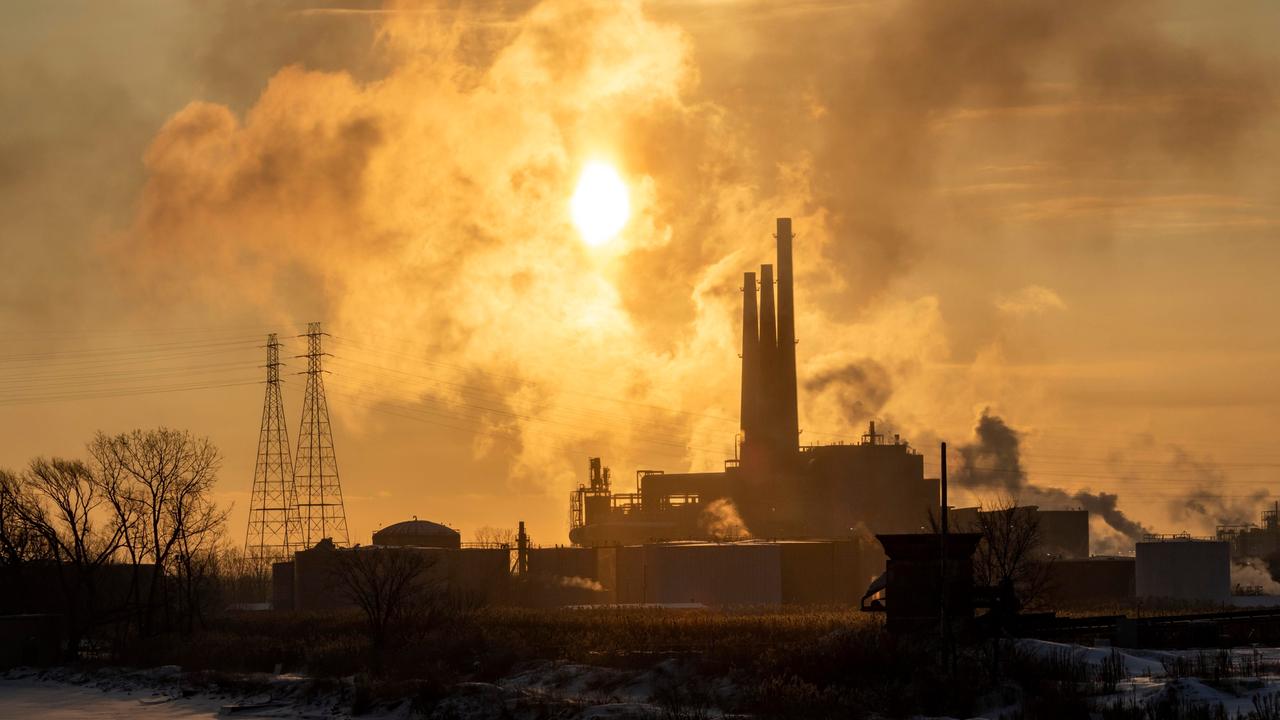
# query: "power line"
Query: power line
{"points": [[30, 400]]}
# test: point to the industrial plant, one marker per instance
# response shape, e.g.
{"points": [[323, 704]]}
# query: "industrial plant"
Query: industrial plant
{"points": [[783, 523], [776, 487]]}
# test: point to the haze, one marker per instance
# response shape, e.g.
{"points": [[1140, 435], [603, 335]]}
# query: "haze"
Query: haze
{"points": [[1063, 215]]}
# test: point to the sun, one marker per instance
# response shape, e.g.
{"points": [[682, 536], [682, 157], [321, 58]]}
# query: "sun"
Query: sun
{"points": [[601, 205]]}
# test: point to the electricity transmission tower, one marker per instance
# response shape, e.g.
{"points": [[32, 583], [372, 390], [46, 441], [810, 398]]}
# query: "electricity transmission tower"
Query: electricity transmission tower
{"points": [[316, 473], [274, 533]]}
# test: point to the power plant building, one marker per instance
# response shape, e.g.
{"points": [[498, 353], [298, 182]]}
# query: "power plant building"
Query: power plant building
{"points": [[776, 488]]}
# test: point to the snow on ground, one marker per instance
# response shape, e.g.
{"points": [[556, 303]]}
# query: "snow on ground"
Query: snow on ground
{"points": [[1148, 679], [158, 694], [584, 692], [1136, 662], [31, 698]]}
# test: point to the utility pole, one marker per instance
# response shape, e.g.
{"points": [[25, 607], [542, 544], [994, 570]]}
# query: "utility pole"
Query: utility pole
{"points": [[522, 551], [944, 580], [316, 473], [273, 534]]}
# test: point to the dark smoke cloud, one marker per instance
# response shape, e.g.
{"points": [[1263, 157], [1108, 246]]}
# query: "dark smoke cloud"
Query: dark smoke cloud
{"points": [[1205, 503], [861, 389], [1104, 505], [994, 463]]}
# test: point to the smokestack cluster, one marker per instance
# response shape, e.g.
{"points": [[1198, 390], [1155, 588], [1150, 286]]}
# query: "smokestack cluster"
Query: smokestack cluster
{"points": [[769, 413]]}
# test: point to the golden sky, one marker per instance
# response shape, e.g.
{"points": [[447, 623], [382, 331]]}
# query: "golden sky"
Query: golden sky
{"points": [[1063, 212]]}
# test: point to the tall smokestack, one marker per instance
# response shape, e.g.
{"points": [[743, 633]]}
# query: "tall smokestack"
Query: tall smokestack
{"points": [[750, 358], [766, 407], [788, 417]]}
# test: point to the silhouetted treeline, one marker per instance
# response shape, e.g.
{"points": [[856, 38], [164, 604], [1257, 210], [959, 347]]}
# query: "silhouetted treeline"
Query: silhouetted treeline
{"points": [[124, 544]]}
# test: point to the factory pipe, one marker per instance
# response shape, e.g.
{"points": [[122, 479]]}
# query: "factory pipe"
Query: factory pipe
{"points": [[766, 390], [785, 383], [750, 417]]}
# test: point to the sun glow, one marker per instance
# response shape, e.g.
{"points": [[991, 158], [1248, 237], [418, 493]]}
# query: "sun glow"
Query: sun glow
{"points": [[600, 205]]}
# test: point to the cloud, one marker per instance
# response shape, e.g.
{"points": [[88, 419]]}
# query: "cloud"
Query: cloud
{"points": [[1030, 300], [402, 172]]}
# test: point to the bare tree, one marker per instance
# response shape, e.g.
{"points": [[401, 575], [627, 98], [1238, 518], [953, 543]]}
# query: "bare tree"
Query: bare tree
{"points": [[19, 542], [1009, 557], [158, 484], [388, 584], [196, 562], [494, 537], [241, 578], [59, 502]]}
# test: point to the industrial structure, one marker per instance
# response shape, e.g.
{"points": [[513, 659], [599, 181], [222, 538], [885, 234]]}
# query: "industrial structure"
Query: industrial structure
{"points": [[320, 509], [1181, 567], [418, 533], [750, 572], [1254, 541], [274, 533], [1063, 534], [294, 507], [775, 487], [313, 579]]}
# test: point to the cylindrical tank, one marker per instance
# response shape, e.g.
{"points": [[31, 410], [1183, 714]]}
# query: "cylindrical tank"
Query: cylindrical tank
{"points": [[418, 533], [713, 573], [1184, 569]]}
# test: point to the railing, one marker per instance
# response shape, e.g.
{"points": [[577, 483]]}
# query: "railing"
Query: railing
{"points": [[1182, 536]]}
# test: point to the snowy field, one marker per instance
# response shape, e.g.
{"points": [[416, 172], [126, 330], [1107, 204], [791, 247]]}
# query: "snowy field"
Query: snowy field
{"points": [[60, 701], [1238, 679], [156, 694], [576, 691], [1138, 677]]}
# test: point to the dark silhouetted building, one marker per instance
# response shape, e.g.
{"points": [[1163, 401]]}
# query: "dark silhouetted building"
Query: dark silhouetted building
{"points": [[312, 580], [916, 587], [1064, 534], [1089, 582], [1254, 541]]}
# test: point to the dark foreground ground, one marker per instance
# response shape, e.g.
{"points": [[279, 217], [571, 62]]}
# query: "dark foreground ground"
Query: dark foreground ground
{"points": [[641, 663]]}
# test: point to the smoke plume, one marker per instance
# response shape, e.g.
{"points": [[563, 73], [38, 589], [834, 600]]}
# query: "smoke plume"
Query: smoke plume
{"points": [[1206, 504], [1255, 572], [720, 520], [860, 389], [581, 583], [401, 170], [993, 462]]}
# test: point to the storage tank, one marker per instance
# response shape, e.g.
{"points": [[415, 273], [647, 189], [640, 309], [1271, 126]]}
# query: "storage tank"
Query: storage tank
{"points": [[1084, 582], [713, 573], [1183, 568], [418, 533]]}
